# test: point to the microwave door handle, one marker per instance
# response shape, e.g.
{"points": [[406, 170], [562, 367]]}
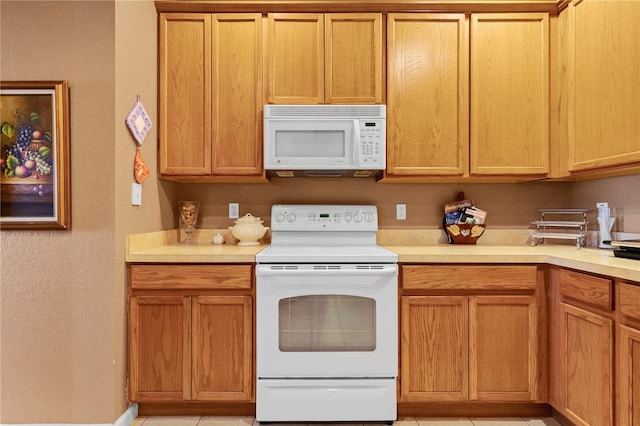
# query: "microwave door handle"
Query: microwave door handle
{"points": [[356, 142]]}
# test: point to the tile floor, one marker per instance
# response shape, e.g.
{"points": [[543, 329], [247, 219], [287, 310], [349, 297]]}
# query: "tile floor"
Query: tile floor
{"points": [[404, 421]]}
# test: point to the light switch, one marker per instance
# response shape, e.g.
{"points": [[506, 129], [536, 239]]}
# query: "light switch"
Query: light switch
{"points": [[136, 194], [234, 210]]}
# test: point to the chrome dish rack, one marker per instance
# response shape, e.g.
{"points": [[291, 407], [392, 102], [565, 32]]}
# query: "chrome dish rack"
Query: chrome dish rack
{"points": [[560, 229]]}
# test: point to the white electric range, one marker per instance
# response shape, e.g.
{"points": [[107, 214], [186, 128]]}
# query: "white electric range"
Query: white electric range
{"points": [[327, 317]]}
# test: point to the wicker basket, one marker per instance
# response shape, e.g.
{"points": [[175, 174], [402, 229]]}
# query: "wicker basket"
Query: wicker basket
{"points": [[463, 233]]}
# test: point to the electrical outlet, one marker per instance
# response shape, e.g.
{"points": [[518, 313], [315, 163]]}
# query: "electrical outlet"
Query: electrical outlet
{"points": [[401, 212], [234, 210], [136, 194]]}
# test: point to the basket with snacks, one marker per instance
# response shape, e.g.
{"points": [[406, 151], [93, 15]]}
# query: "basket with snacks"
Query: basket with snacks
{"points": [[463, 222]]}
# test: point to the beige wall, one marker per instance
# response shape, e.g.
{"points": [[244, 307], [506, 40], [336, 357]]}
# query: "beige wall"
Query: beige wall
{"points": [[63, 315], [623, 195], [62, 306], [135, 71], [508, 205]]}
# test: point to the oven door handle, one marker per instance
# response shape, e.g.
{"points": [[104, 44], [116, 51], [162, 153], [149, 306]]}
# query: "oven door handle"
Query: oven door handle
{"points": [[378, 271]]}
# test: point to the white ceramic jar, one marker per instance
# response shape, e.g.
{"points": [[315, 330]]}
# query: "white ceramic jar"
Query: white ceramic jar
{"points": [[248, 230]]}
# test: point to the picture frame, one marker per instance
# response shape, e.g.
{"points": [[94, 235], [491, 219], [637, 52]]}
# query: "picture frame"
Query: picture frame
{"points": [[34, 155]]}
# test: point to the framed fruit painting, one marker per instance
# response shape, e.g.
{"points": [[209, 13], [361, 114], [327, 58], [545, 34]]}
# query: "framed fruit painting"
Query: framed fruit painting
{"points": [[34, 155]]}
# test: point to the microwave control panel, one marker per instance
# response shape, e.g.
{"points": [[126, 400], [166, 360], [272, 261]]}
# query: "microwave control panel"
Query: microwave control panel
{"points": [[372, 143]]}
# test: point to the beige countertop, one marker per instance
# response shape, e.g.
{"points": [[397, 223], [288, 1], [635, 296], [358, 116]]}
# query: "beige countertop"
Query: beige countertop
{"points": [[586, 259], [164, 247]]}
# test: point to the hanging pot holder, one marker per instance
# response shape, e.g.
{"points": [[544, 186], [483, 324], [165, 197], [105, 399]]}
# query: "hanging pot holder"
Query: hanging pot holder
{"points": [[140, 169], [138, 122]]}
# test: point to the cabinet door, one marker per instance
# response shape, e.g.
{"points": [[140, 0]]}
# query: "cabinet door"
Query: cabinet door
{"points": [[604, 124], [184, 94], [503, 349], [353, 65], [427, 94], [296, 58], [510, 94], [159, 348], [588, 350], [434, 348], [557, 389], [237, 94], [629, 376], [222, 348]]}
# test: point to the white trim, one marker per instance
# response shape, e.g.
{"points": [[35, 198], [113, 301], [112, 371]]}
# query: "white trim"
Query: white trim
{"points": [[126, 419], [128, 416]]}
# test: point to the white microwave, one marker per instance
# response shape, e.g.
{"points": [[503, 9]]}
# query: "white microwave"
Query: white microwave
{"points": [[324, 140]]}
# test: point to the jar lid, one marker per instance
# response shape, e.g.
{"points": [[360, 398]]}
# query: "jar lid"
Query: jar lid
{"points": [[249, 218]]}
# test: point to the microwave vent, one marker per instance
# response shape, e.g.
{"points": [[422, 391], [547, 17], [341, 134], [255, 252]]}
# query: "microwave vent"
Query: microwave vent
{"points": [[328, 111]]}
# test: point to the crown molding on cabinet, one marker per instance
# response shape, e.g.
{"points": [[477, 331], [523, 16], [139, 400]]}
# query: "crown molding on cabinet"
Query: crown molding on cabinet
{"points": [[563, 4], [272, 6]]}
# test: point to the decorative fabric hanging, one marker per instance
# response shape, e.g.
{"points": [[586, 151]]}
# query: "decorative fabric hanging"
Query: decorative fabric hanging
{"points": [[140, 169], [139, 124]]}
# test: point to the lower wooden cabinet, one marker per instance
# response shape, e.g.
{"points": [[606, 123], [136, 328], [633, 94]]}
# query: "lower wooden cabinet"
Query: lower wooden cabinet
{"points": [[222, 348], [581, 374], [188, 339], [468, 333], [589, 362], [159, 348], [504, 349], [484, 347], [628, 376], [434, 348], [628, 359]]}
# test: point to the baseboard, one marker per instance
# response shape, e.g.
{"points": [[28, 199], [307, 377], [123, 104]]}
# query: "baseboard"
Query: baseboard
{"points": [[128, 416], [126, 419], [244, 409], [473, 409]]}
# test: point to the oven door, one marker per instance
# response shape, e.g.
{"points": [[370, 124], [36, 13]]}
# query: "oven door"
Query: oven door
{"points": [[336, 320]]}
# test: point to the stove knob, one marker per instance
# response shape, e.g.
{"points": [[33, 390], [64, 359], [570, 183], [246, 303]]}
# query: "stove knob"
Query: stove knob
{"points": [[291, 217], [348, 216], [279, 217], [357, 218], [368, 217]]}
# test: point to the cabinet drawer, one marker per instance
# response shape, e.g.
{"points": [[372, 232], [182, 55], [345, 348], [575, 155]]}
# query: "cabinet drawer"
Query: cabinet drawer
{"points": [[588, 289], [629, 300], [457, 277], [157, 277]]}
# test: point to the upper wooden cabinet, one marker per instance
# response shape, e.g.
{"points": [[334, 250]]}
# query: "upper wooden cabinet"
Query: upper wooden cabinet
{"points": [[603, 56], [333, 58], [510, 94], [427, 94], [210, 97]]}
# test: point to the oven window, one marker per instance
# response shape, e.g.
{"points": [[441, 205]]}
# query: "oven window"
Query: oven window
{"points": [[327, 323]]}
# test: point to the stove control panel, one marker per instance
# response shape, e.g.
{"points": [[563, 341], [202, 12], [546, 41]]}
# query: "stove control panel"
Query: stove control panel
{"points": [[311, 217]]}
